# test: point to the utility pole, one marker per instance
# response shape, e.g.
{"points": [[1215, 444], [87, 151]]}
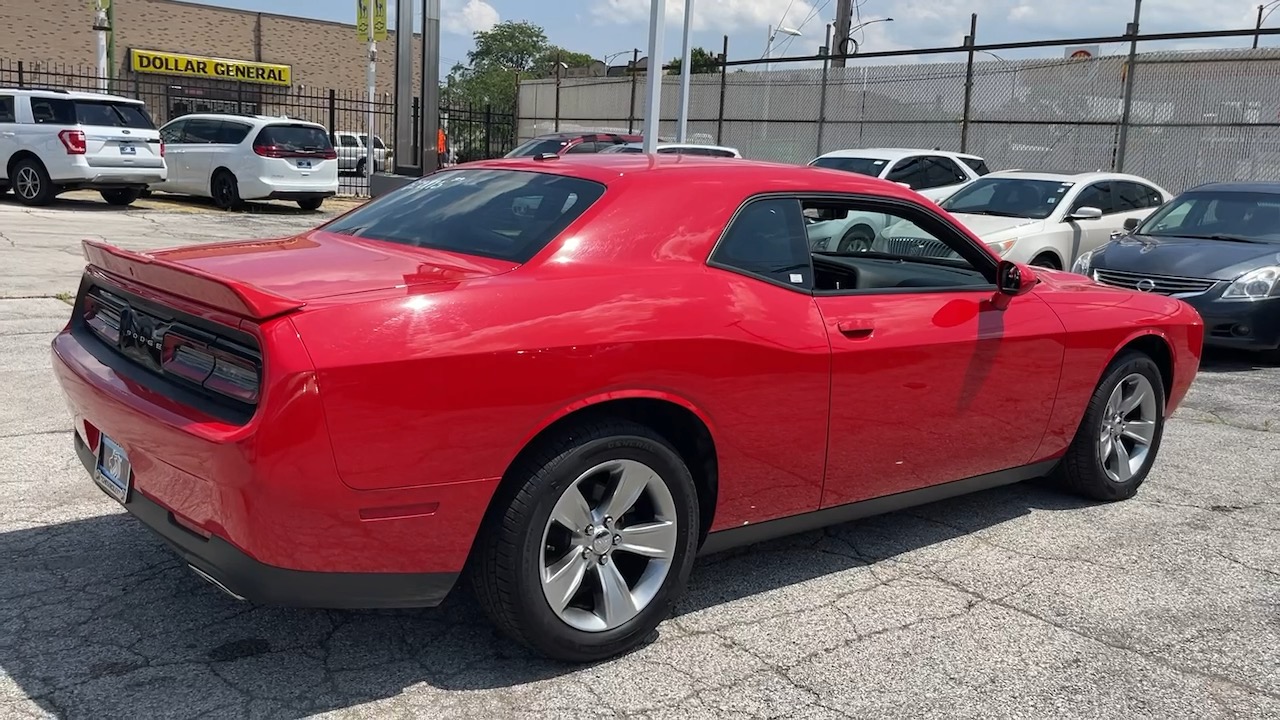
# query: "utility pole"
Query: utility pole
{"points": [[430, 92], [1130, 71], [370, 79], [653, 74], [686, 69], [844, 16], [101, 26], [406, 164], [1257, 26]]}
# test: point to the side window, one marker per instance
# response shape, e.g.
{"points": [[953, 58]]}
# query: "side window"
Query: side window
{"points": [[348, 141], [1097, 195], [942, 171], [171, 134], [586, 146], [1128, 196], [767, 239], [201, 132], [7, 113], [1153, 197], [233, 133], [911, 171], [977, 165], [911, 251], [55, 111]]}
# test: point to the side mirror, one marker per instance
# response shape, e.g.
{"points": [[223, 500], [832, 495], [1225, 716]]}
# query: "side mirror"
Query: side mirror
{"points": [[1012, 279], [1130, 224], [1085, 213]]}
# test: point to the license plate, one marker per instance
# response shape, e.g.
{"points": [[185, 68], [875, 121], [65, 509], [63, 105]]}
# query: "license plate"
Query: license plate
{"points": [[128, 150], [304, 164], [114, 472]]}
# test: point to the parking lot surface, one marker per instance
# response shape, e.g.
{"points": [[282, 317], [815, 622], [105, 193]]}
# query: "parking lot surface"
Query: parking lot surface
{"points": [[1016, 602]]}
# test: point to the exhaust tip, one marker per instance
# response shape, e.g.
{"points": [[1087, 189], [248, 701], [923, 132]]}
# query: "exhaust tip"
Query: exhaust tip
{"points": [[214, 582]]}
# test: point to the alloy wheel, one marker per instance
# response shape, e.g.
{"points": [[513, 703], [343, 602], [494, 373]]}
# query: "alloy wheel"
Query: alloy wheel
{"points": [[608, 546], [27, 184], [1128, 428]]}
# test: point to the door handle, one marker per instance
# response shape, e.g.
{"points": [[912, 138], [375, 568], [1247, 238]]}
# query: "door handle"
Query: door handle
{"points": [[856, 328]]}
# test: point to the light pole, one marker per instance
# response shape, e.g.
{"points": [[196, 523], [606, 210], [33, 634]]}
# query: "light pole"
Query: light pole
{"points": [[682, 120], [1269, 8], [768, 70], [101, 26], [653, 75]]}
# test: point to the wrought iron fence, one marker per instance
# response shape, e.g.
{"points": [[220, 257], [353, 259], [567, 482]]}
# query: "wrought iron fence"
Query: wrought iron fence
{"points": [[1187, 116], [472, 133]]}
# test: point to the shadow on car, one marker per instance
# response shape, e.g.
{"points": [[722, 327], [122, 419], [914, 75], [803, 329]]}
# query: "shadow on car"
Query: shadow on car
{"points": [[100, 620]]}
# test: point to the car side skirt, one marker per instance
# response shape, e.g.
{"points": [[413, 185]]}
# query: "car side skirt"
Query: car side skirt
{"points": [[782, 527]]}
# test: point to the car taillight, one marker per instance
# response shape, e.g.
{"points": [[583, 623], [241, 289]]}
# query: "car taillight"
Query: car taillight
{"points": [[210, 368], [330, 154], [74, 142], [161, 148], [270, 151]]}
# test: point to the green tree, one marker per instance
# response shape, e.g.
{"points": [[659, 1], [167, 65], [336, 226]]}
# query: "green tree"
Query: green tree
{"points": [[510, 45], [701, 60], [503, 53]]}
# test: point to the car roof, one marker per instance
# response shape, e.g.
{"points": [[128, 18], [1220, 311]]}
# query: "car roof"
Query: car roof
{"points": [[254, 119], [684, 145], [894, 153], [745, 177], [69, 94], [582, 134], [1272, 188], [1067, 177]]}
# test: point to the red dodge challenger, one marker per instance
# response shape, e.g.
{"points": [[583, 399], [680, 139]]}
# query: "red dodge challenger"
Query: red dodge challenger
{"points": [[567, 377]]}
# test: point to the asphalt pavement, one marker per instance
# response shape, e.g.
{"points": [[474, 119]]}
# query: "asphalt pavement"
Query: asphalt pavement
{"points": [[1013, 603]]}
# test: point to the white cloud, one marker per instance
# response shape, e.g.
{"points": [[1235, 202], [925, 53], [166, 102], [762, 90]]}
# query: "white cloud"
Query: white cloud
{"points": [[466, 18], [718, 15]]}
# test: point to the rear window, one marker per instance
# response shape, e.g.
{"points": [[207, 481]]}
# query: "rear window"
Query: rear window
{"points": [[538, 147], [102, 113], [977, 165], [503, 214], [294, 138], [862, 166]]}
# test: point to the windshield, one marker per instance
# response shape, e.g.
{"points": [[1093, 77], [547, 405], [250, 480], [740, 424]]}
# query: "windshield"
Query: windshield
{"points": [[538, 146], [1008, 197], [1213, 215], [503, 214], [860, 165]]}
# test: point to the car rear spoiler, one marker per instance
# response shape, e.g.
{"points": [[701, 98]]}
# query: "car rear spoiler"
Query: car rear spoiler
{"points": [[220, 293]]}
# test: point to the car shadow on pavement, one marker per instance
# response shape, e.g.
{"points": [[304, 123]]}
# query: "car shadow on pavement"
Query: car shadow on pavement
{"points": [[99, 619], [1218, 360]]}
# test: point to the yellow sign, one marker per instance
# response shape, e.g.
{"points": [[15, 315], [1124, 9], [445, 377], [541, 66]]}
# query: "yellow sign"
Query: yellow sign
{"points": [[379, 19], [163, 63]]}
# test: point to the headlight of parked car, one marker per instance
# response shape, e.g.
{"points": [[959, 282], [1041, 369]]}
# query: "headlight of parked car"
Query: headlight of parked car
{"points": [[1254, 285], [1003, 247], [1081, 265]]}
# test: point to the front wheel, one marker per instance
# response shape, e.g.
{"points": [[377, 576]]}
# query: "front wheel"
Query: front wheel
{"points": [[587, 554], [1120, 435], [311, 204], [856, 239], [121, 197], [1045, 260]]}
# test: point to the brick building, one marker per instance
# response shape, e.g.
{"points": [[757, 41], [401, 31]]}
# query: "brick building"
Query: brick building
{"points": [[182, 57]]}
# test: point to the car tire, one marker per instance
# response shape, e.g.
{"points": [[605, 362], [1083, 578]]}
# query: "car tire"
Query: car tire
{"points": [[360, 167], [225, 190], [526, 536], [31, 182], [122, 197], [1045, 260], [856, 239], [312, 204], [1094, 466]]}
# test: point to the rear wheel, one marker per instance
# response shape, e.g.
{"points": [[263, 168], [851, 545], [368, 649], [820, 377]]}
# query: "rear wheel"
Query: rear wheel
{"points": [[360, 166], [31, 182], [121, 197], [225, 190], [856, 239], [585, 557], [312, 204], [1120, 435]]}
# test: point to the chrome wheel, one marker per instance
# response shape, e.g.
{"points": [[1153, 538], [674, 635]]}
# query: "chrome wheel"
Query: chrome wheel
{"points": [[27, 183], [1128, 428], [608, 545]]}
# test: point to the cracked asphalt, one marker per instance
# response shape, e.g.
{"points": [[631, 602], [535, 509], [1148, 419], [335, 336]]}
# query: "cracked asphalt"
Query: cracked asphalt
{"points": [[1013, 603]]}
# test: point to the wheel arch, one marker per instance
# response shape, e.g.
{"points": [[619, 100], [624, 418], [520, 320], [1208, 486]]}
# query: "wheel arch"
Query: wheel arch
{"points": [[1156, 346], [15, 158], [672, 417]]}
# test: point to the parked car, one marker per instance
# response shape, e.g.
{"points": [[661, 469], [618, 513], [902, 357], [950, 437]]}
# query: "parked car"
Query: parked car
{"points": [[571, 143], [233, 158], [54, 141], [668, 148], [353, 152], [932, 173], [1044, 219], [574, 402], [1216, 247]]}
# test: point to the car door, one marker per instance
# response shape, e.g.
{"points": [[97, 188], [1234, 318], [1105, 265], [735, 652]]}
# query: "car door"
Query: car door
{"points": [[8, 132], [931, 382], [175, 154], [773, 420], [1089, 234], [200, 139]]}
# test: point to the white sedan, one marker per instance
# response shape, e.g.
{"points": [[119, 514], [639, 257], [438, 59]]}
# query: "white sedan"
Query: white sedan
{"points": [[1044, 219], [935, 174]]}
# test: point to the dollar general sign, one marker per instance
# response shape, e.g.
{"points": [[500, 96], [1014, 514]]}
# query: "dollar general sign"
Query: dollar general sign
{"points": [[163, 63]]}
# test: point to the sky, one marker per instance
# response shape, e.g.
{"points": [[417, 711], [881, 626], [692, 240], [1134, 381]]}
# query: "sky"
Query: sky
{"points": [[609, 29]]}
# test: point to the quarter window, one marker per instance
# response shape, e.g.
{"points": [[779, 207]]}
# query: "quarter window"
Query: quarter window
{"points": [[942, 171], [6, 109], [766, 239], [586, 146], [233, 133], [171, 134]]}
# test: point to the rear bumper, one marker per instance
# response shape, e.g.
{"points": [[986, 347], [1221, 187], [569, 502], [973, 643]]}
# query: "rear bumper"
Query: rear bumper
{"points": [[300, 195], [244, 578]]}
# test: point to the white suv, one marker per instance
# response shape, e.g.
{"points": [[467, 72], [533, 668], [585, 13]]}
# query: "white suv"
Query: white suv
{"points": [[232, 158], [52, 141]]}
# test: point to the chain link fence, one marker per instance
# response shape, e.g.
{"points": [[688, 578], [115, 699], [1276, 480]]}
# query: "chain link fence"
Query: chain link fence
{"points": [[1194, 116]]}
